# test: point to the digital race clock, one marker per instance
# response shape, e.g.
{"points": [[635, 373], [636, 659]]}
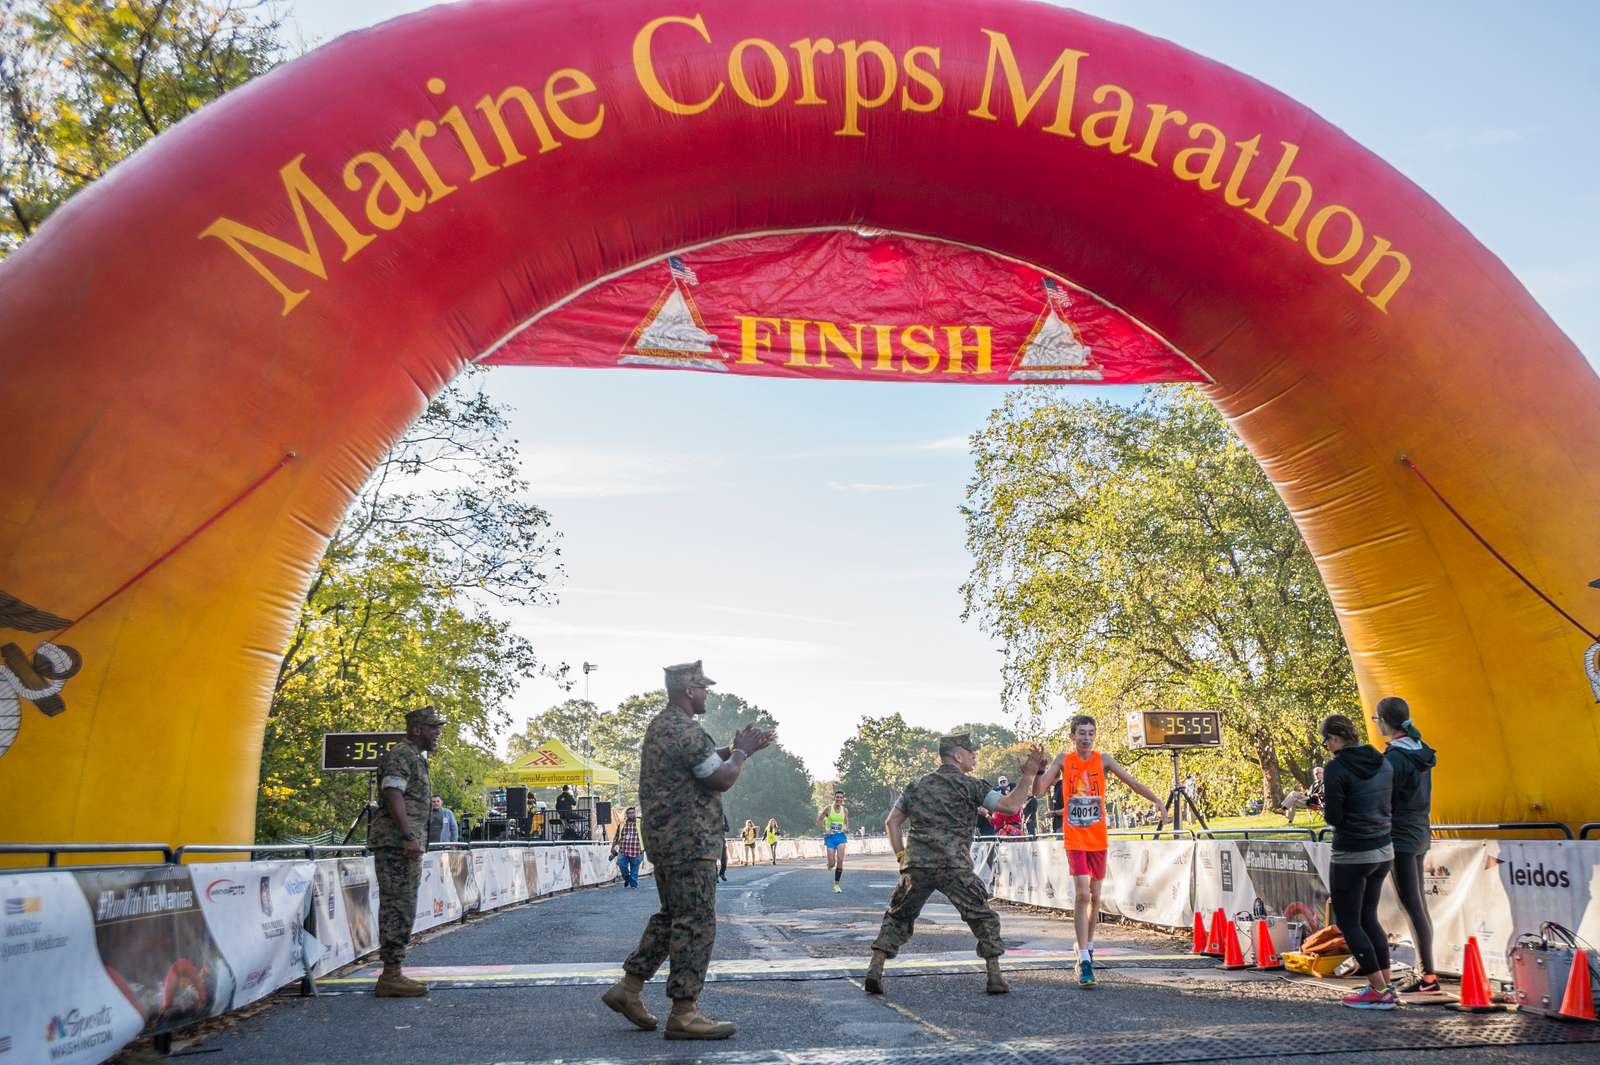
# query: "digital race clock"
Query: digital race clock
{"points": [[356, 750], [1159, 728]]}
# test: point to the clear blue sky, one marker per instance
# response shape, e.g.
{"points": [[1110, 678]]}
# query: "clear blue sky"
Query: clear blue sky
{"points": [[803, 537]]}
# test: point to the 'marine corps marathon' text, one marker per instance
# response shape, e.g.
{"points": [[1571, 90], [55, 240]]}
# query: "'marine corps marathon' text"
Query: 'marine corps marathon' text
{"points": [[342, 208]]}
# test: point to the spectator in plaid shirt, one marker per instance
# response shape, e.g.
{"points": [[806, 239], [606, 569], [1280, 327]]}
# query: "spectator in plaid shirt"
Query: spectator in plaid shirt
{"points": [[628, 849]]}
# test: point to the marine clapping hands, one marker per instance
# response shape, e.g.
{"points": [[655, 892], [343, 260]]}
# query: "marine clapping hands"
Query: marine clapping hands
{"points": [[752, 738]]}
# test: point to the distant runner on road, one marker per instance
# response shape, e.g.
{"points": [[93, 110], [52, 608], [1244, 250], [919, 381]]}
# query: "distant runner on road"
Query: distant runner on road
{"points": [[835, 822], [1082, 772]]}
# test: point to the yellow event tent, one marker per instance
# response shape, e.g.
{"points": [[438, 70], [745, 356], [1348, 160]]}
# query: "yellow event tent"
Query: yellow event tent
{"points": [[550, 765]]}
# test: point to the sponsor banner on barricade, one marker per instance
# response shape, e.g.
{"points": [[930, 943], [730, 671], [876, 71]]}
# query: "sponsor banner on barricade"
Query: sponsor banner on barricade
{"points": [[492, 870], [463, 871], [517, 857], [155, 943], [328, 920], [1497, 890], [438, 900], [58, 1002], [596, 866], [1281, 877], [358, 882], [257, 915], [554, 872], [1147, 880], [1031, 872]]}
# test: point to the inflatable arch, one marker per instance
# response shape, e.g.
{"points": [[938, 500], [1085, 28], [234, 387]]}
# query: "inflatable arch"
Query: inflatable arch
{"points": [[295, 269]]}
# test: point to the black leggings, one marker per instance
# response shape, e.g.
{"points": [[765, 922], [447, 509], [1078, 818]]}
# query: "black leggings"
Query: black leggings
{"points": [[1408, 885], [1356, 890]]}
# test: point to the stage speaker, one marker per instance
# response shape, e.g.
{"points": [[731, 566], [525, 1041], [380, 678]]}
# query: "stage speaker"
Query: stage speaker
{"points": [[516, 803], [602, 812]]}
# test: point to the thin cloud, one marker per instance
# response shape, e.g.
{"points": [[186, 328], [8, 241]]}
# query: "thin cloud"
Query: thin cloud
{"points": [[734, 644], [599, 473], [858, 486], [776, 615], [945, 443]]}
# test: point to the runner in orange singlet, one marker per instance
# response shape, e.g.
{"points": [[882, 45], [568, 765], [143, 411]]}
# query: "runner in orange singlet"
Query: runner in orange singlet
{"points": [[1082, 772]]}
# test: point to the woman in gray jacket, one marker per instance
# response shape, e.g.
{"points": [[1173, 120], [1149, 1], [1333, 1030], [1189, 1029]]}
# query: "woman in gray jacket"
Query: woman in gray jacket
{"points": [[1412, 831]]}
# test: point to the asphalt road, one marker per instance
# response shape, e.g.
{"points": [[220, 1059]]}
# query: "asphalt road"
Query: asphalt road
{"points": [[788, 959]]}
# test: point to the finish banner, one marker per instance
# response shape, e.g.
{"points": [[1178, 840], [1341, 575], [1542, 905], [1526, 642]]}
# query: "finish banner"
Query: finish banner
{"points": [[1287, 878], [848, 303]]}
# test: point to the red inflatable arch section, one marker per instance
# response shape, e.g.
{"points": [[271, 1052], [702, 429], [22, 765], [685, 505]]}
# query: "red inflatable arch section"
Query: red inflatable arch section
{"points": [[299, 266]]}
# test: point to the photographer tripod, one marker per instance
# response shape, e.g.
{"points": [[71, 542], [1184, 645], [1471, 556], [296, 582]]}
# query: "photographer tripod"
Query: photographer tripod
{"points": [[1177, 799]]}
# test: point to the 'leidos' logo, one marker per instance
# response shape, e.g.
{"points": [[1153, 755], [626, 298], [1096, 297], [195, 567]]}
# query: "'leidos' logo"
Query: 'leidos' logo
{"points": [[1538, 876]]}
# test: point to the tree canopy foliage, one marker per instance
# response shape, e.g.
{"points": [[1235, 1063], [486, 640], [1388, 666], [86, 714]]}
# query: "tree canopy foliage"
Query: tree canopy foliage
{"points": [[774, 783], [399, 614], [1136, 557], [83, 83]]}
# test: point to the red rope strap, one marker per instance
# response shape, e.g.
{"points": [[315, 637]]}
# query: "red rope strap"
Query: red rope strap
{"points": [[288, 457], [1487, 546]]}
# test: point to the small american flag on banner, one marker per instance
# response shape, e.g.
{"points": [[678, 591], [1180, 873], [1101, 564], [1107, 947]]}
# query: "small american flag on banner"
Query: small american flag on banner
{"points": [[1057, 297], [681, 271]]}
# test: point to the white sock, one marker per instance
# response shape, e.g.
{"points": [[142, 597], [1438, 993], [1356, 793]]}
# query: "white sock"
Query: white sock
{"points": [[1083, 954]]}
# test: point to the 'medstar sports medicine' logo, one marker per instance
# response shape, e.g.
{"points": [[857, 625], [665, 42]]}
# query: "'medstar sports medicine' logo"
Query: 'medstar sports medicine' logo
{"points": [[218, 889]]}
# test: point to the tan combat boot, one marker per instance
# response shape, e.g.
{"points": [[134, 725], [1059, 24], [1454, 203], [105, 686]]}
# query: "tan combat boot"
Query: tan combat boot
{"points": [[997, 984], [873, 984], [392, 983], [687, 1022], [626, 997]]}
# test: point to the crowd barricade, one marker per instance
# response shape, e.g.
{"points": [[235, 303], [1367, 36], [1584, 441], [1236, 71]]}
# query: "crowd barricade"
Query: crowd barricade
{"points": [[801, 848], [93, 957], [1493, 889]]}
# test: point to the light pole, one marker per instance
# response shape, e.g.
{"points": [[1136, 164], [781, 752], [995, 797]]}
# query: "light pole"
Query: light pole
{"points": [[588, 745]]}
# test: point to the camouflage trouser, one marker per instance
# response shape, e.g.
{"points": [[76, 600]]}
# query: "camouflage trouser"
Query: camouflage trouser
{"points": [[684, 928], [397, 901], [965, 892]]}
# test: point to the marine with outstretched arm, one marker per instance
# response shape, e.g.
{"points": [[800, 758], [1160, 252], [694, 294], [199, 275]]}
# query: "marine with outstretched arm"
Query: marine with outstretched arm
{"points": [[939, 809]]}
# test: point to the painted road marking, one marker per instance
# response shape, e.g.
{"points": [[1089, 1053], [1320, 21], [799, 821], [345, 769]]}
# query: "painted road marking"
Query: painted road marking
{"points": [[569, 974]]}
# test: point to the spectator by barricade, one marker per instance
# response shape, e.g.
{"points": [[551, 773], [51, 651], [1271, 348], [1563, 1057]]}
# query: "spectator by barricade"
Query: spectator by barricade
{"points": [[627, 848]]}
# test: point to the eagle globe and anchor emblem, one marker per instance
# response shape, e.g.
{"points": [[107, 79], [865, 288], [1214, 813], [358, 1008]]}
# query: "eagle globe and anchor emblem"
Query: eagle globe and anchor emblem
{"points": [[673, 335], [38, 679]]}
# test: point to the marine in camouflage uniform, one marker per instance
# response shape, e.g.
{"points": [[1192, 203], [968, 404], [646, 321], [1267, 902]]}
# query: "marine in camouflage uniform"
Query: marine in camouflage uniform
{"points": [[397, 845], [939, 809], [682, 775]]}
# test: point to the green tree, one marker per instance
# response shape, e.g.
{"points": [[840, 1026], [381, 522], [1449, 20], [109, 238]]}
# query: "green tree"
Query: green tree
{"points": [[1137, 558], [83, 83], [398, 613], [572, 722], [380, 634], [774, 783], [877, 762]]}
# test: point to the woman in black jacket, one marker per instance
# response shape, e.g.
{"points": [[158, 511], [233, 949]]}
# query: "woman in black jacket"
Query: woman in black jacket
{"points": [[1413, 763], [1358, 783]]}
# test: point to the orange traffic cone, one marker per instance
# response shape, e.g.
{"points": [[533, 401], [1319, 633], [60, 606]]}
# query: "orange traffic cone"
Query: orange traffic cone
{"points": [[1219, 921], [1199, 934], [1578, 1002], [1233, 957], [1266, 956], [1474, 983]]}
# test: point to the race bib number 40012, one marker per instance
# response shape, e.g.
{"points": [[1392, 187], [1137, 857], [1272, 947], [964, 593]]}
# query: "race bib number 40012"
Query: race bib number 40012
{"points": [[1083, 810]]}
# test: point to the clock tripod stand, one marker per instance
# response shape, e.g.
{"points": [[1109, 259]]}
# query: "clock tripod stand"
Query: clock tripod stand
{"points": [[1177, 799]]}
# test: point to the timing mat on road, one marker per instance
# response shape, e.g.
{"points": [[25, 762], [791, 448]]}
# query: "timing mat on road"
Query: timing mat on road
{"points": [[577, 974]]}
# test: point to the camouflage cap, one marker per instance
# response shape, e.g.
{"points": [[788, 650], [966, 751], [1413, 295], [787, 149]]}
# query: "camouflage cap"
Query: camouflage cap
{"points": [[687, 675], [948, 744], [426, 715]]}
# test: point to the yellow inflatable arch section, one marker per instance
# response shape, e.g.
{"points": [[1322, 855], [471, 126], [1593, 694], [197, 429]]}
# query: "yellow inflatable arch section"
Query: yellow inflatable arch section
{"points": [[204, 354]]}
